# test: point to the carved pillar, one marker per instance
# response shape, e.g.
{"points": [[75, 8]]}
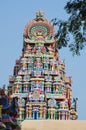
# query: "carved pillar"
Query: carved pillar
{"points": [[20, 113], [20, 90], [54, 117], [26, 87], [68, 93], [59, 114], [30, 111], [63, 115], [66, 115], [44, 113], [37, 114], [54, 88], [51, 114], [41, 111], [33, 114], [17, 88], [0, 111], [27, 112], [23, 113], [24, 66]]}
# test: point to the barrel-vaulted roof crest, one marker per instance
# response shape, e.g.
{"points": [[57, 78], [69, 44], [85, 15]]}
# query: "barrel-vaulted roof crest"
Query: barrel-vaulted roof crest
{"points": [[39, 28]]}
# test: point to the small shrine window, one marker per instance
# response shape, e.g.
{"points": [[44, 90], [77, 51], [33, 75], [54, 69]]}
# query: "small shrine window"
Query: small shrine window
{"points": [[42, 84], [51, 102], [14, 88], [32, 84], [26, 78], [56, 79], [38, 85], [30, 66], [48, 87], [48, 78], [37, 73], [60, 89], [41, 98], [35, 96], [45, 66], [46, 60], [30, 60]]}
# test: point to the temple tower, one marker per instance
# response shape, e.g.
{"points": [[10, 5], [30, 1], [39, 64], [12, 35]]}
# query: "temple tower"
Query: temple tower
{"points": [[39, 79]]}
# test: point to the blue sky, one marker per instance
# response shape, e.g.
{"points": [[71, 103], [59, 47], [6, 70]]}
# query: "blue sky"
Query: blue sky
{"points": [[13, 17]]}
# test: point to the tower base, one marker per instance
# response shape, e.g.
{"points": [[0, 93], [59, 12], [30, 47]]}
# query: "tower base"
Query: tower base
{"points": [[53, 125]]}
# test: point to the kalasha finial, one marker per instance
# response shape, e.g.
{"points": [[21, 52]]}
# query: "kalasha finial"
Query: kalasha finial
{"points": [[39, 15]]}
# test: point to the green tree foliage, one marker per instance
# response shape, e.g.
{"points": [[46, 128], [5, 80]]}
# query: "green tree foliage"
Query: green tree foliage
{"points": [[72, 32]]}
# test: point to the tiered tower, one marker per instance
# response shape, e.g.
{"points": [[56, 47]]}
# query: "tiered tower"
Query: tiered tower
{"points": [[39, 79]]}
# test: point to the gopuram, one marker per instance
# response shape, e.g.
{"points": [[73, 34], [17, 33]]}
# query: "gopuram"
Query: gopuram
{"points": [[39, 80]]}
